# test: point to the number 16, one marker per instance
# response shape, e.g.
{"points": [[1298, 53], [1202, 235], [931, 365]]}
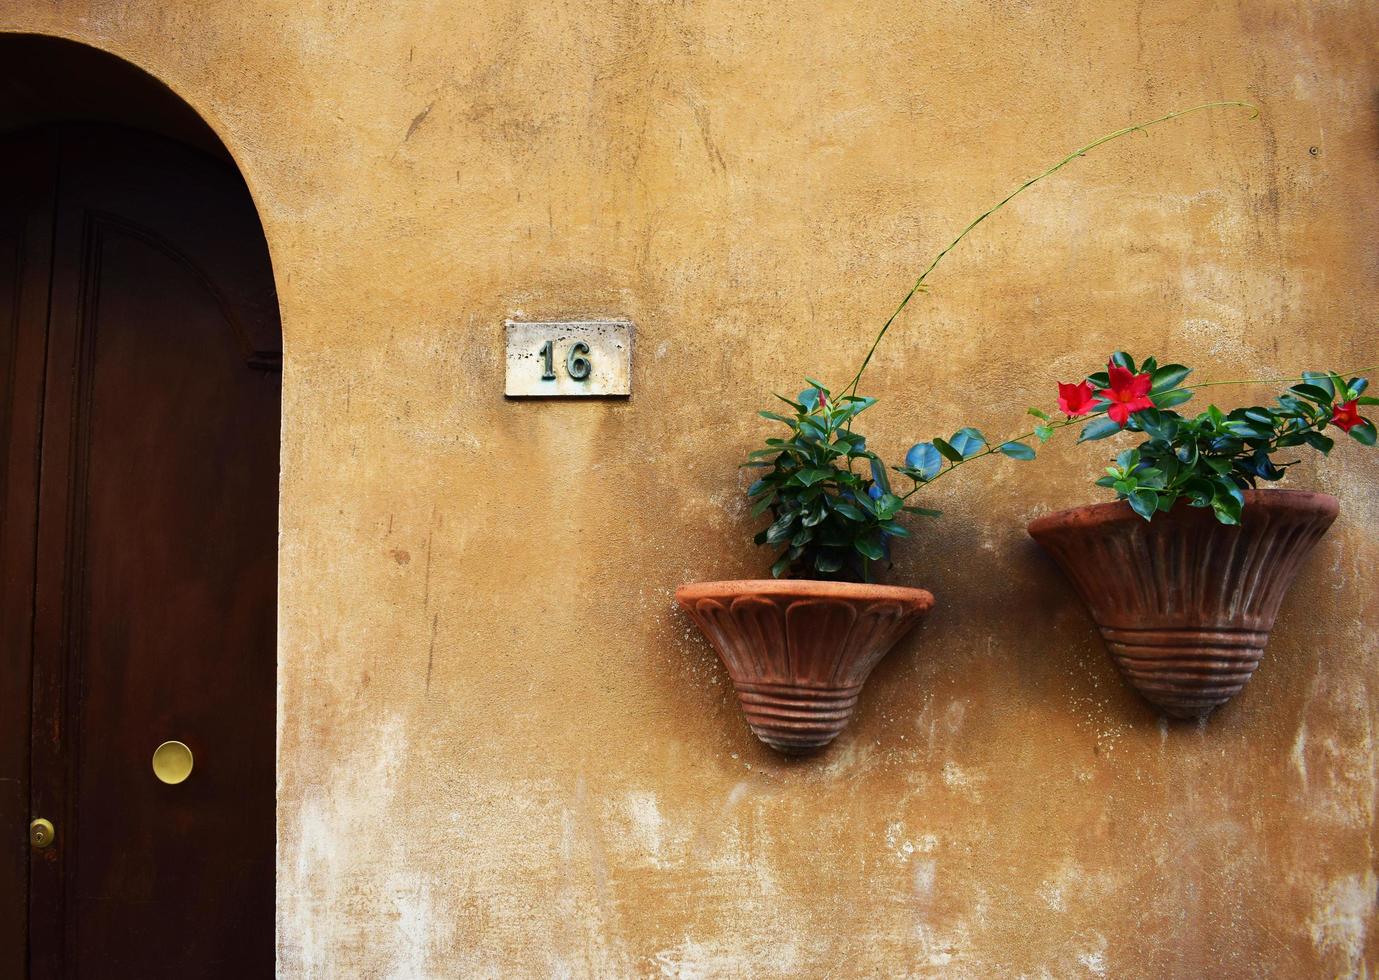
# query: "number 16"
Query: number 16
{"points": [[577, 364]]}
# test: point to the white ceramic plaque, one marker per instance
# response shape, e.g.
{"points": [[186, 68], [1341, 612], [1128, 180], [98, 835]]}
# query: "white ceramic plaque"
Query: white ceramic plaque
{"points": [[569, 359]]}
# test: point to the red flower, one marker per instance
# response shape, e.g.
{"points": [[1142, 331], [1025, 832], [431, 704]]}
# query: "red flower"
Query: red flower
{"points": [[1075, 400], [1346, 416], [1129, 393]]}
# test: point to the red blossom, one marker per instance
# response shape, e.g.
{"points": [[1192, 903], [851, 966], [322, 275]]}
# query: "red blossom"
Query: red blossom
{"points": [[1075, 400], [1346, 416], [1128, 393]]}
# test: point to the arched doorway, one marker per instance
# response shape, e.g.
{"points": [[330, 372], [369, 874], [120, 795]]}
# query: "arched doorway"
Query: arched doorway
{"points": [[140, 355]]}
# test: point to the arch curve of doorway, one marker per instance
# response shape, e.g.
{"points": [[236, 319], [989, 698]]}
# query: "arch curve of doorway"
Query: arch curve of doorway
{"points": [[42, 81]]}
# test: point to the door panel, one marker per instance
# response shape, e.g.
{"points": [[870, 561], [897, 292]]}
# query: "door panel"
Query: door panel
{"points": [[26, 223], [155, 571]]}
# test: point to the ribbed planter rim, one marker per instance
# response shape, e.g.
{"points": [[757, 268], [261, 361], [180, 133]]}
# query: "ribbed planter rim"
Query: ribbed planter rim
{"points": [[1113, 509], [804, 587]]}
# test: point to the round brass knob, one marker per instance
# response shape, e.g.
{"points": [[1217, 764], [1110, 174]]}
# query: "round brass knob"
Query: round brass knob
{"points": [[41, 832], [172, 762]]}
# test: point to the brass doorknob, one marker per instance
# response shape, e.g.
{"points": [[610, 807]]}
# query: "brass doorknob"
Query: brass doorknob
{"points": [[41, 832], [172, 762]]}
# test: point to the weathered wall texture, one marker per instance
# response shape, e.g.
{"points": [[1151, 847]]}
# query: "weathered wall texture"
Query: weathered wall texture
{"points": [[503, 751]]}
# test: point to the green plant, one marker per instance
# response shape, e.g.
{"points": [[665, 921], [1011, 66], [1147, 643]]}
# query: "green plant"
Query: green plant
{"points": [[1209, 459], [830, 521]]}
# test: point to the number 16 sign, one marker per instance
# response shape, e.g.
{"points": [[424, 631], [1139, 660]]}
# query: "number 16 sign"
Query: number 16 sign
{"points": [[569, 359]]}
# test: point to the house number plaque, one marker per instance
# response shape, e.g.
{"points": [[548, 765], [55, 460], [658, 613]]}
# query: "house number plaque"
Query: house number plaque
{"points": [[570, 359]]}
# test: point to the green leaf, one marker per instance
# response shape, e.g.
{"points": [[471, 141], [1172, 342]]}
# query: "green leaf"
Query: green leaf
{"points": [[774, 417], [1323, 444], [968, 441], [1144, 503], [922, 511], [1247, 431], [847, 510], [762, 504], [1167, 377], [781, 565], [894, 530], [781, 529], [1122, 359], [1322, 381], [1017, 450], [948, 451], [1199, 491], [888, 506], [1313, 393], [795, 405], [1367, 400], [1044, 432], [878, 474], [1227, 502], [870, 547], [1098, 428], [817, 384], [814, 474], [858, 403], [924, 458], [1038, 413], [1168, 399], [1363, 433]]}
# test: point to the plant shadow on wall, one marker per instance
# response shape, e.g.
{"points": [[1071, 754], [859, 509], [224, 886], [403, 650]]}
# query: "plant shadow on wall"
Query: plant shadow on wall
{"points": [[1183, 573]]}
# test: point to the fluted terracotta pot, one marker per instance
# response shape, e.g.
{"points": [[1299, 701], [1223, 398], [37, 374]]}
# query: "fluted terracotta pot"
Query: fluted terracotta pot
{"points": [[1185, 603], [798, 652]]}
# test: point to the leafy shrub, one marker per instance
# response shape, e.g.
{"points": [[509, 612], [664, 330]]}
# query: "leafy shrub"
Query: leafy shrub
{"points": [[829, 520]]}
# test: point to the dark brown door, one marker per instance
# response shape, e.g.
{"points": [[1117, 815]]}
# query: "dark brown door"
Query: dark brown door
{"points": [[138, 548]]}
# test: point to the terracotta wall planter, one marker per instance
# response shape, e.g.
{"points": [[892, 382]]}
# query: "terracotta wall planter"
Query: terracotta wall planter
{"points": [[1186, 604], [798, 652]]}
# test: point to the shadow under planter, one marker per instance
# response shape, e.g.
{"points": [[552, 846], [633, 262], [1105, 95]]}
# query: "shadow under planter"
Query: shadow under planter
{"points": [[798, 652], [1185, 603]]}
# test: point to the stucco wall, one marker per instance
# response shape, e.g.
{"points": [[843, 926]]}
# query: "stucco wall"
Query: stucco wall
{"points": [[503, 751]]}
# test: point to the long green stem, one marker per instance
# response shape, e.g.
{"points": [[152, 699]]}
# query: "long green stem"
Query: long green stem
{"points": [[1082, 151], [1275, 381]]}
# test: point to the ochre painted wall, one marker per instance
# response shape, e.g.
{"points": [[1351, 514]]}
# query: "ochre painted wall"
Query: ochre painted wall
{"points": [[503, 751]]}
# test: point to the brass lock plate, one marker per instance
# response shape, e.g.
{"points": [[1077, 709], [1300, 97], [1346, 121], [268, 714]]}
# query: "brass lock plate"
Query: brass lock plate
{"points": [[172, 762]]}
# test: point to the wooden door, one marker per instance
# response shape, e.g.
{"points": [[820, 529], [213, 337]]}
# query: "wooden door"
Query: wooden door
{"points": [[138, 552]]}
